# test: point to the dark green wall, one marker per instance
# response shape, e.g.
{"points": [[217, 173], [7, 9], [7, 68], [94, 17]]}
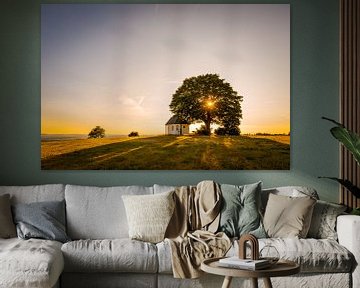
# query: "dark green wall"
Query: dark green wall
{"points": [[314, 93]]}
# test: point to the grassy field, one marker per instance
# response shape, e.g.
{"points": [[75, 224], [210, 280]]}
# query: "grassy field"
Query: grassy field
{"points": [[278, 138], [168, 152]]}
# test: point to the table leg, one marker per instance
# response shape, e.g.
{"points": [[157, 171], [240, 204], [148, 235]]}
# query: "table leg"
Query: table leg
{"points": [[267, 283], [254, 282], [227, 282]]}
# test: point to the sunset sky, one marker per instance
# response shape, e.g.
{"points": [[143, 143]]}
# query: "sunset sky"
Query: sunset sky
{"points": [[118, 65]]}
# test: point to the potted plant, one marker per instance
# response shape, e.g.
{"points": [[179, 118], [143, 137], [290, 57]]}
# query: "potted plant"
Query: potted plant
{"points": [[351, 141]]}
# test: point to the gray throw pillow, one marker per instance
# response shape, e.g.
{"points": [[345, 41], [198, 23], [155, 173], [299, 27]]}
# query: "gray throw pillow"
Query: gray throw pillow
{"points": [[44, 220], [7, 227], [240, 213], [323, 222]]}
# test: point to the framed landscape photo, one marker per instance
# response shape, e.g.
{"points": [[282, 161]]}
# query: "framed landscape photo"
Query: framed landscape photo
{"points": [[165, 86]]}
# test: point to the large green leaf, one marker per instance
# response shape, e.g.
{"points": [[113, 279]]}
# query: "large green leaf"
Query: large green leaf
{"points": [[348, 138], [348, 185]]}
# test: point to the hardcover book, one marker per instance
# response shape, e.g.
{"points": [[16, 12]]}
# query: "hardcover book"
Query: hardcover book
{"points": [[236, 262]]}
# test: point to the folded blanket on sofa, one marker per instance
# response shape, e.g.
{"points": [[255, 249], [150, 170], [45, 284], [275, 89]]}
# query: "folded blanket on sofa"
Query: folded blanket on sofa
{"points": [[191, 231]]}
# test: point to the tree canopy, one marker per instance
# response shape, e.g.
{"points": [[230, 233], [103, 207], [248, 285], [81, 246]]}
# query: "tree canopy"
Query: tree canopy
{"points": [[133, 134], [97, 132], [210, 99]]}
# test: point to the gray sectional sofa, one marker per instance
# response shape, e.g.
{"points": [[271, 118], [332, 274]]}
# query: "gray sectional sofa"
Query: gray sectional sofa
{"points": [[101, 254]]}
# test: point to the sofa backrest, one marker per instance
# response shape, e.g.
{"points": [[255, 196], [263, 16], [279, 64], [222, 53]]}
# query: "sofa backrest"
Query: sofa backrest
{"points": [[36, 193], [98, 212], [163, 188]]}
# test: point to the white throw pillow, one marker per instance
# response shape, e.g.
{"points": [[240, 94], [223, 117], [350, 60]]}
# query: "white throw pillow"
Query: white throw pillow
{"points": [[149, 215]]}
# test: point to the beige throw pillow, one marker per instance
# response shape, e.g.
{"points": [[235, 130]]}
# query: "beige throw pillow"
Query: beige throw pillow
{"points": [[7, 226], [288, 217], [148, 215]]}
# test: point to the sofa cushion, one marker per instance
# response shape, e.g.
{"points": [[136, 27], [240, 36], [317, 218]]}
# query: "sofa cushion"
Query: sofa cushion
{"points": [[7, 226], [164, 257], [287, 216], [313, 255], [30, 263], [149, 215], [117, 255], [36, 193], [98, 213]]}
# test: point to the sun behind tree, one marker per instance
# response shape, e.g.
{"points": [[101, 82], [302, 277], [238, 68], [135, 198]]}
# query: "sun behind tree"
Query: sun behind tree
{"points": [[209, 99]]}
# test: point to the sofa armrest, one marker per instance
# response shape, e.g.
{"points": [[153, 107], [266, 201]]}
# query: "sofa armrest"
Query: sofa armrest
{"points": [[348, 230]]}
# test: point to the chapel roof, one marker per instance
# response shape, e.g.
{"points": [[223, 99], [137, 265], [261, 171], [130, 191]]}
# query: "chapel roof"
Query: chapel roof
{"points": [[175, 120]]}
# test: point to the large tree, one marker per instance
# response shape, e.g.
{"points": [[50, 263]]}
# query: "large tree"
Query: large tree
{"points": [[210, 99]]}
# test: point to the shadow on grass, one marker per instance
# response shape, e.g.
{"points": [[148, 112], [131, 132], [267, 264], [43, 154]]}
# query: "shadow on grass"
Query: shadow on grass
{"points": [[177, 153]]}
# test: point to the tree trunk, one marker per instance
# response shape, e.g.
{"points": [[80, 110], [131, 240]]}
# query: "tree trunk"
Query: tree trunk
{"points": [[208, 122]]}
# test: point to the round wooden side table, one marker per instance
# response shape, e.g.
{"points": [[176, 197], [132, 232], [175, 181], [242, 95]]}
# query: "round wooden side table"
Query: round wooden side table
{"points": [[281, 268]]}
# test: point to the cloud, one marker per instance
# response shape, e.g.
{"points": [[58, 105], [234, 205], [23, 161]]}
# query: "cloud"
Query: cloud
{"points": [[132, 103]]}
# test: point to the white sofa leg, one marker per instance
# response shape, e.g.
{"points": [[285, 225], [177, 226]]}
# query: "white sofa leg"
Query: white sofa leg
{"points": [[348, 229]]}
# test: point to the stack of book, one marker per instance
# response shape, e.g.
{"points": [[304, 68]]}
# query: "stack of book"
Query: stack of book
{"points": [[248, 264]]}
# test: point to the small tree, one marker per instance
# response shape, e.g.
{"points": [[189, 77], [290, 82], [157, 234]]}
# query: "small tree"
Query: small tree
{"points": [[97, 132], [133, 134]]}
